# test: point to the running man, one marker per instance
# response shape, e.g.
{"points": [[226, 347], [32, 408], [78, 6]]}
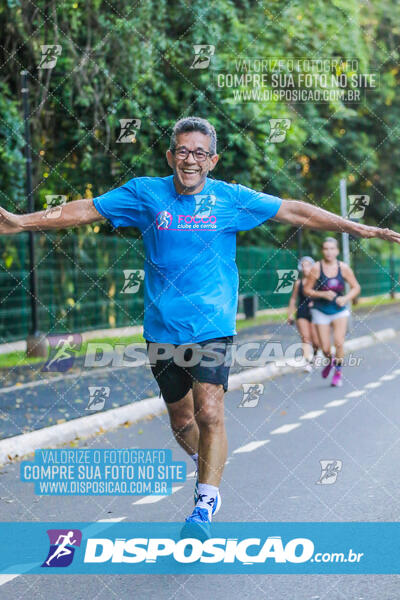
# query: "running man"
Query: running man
{"points": [[191, 279], [326, 286], [306, 329]]}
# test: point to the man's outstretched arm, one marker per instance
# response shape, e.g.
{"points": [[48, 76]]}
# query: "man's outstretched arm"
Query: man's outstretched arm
{"points": [[71, 214], [303, 214]]}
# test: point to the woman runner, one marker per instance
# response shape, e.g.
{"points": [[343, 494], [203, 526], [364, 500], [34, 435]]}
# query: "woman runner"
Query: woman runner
{"points": [[326, 287], [306, 329]]}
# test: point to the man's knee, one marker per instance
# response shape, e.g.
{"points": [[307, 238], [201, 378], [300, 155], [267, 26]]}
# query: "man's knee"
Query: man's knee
{"points": [[209, 405], [210, 416], [182, 424]]}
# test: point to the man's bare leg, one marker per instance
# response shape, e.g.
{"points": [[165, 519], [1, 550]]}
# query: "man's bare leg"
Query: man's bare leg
{"points": [[183, 423], [197, 421], [213, 444]]}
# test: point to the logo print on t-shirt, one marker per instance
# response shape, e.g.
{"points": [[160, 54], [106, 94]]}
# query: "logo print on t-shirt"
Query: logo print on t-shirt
{"points": [[204, 205], [163, 219]]}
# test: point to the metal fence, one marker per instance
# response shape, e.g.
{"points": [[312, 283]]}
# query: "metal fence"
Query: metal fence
{"points": [[81, 278]]}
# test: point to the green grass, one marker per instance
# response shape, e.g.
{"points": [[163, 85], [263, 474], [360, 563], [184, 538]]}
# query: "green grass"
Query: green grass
{"points": [[260, 320], [112, 341], [18, 358], [378, 301]]}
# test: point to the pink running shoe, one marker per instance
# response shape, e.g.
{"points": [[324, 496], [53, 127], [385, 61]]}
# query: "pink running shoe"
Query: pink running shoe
{"points": [[326, 370], [337, 378]]}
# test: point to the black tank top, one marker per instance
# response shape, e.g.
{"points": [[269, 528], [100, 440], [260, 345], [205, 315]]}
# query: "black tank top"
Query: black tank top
{"points": [[335, 284]]}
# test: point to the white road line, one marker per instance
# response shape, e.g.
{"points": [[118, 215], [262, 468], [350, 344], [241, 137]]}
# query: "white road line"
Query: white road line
{"points": [[250, 446], [9, 577], [152, 499], [286, 428], [313, 414], [335, 403], [113, 520], [373, 384], [355, 394], [149, 500], [387, 377]]}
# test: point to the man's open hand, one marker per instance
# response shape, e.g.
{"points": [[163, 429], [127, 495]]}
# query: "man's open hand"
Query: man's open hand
{"points": [[387, 234]]}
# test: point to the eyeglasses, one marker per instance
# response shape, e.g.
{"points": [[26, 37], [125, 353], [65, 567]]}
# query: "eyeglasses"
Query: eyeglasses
{"points": [[199, 155]]}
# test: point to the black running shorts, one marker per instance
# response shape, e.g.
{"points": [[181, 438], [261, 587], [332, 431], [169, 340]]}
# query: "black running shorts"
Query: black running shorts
{"points": [[175, 378], [303, 312]]}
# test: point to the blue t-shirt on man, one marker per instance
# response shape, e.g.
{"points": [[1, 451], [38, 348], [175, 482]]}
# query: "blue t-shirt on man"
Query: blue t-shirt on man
{"points": [[191, 278]]}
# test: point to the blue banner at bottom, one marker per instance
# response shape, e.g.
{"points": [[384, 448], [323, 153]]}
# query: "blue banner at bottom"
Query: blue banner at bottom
{"points": [[149, 548]]}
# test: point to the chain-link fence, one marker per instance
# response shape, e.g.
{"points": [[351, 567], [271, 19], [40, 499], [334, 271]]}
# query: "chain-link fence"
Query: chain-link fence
{"points": [[85, 282]]}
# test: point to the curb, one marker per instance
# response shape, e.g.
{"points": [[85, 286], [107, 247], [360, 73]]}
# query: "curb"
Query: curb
{"points": [[56, 435]]}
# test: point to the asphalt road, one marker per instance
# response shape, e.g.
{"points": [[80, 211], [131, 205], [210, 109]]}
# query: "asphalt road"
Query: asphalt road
{"points": [[274, 480]]}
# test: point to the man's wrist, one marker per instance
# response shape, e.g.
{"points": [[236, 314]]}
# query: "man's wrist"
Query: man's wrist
{"points": [[367, 231], [32, 221], [23, 223]]}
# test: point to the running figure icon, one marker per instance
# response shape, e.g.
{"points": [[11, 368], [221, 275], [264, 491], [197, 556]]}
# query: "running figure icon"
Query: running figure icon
{"points": [[62, 549], [63, 347], [287, 279]]}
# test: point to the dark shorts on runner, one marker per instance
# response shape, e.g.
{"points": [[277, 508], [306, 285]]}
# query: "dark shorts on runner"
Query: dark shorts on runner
{"points": [[175, 380], [303, 312]]}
